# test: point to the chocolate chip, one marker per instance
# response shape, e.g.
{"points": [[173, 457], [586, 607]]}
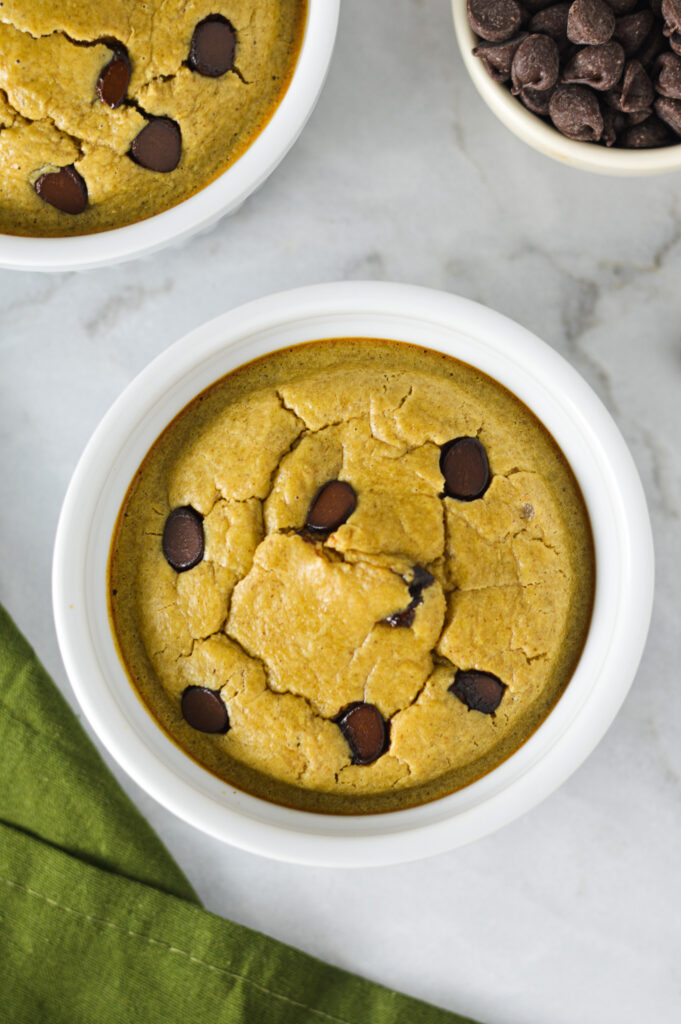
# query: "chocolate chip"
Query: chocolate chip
{"points": [[535, 64], [114, 78], [649, 135], [552, 21], [212, 47], [575, 112], [613, 123], [668, 75], [365, 730], [590, 22], [464, 465], [637, 116], [635, 90], [183, 538], [632, 30], [497, 57], [479, 691], [671, 12], [421, 579], [597, 66], [64, 189], [204, 709], [158, 147], [621, 7], [669, 111], [536, 100], [494, 20], [652, 47], [333, 504]]}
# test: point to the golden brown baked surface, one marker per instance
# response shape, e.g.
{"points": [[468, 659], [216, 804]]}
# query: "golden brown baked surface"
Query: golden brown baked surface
{"points": [[287, 626], [52, 115]]}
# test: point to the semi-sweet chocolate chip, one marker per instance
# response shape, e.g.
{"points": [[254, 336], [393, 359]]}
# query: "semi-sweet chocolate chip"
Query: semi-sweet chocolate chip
{"points": [[634, 92], [183, 538], [494, 20], [575, 112], [498, 57], [204, 709], [668, 75], [590, 22], [465, 467], [536, 100], [598, 66], [621, 7], [649, 135], [551, 21], [158, 147], [671, 12], [365, 730], [669, 111], [421, 579], [632, 30], [64, 189], [213, 47], [333, 504], [535, 64], [114, 78], [479, 691]]}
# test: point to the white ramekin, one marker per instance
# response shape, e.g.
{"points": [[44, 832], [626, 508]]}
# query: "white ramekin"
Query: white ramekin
{"points": [[541, 135], [536, 374], [222, 196]]}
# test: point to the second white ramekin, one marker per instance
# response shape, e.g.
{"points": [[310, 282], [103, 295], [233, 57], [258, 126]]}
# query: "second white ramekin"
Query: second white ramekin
{"points": [[222, 196]]}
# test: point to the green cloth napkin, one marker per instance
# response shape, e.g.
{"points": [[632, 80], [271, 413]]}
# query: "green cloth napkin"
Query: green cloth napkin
{"points": [[98, 925]]}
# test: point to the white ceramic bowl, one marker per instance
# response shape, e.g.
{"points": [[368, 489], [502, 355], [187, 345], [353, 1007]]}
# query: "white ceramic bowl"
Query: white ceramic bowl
{"points": [[542, 136], [222, 196], [536, 374]]}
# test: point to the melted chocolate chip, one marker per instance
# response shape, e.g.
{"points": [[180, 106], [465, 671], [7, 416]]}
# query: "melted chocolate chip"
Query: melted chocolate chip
{"points": [[114, 78], [597, 66], [420, 580], [212, 47], [494, 20], [535, 64], [575, 112], [204, 709], [479, 691], [65, 190], [333, 504], [590, 22], [464, 465], [158, 147], [183, 538], [365, 730]]}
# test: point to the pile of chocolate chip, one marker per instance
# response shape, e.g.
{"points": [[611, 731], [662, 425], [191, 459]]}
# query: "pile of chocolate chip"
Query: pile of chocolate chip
{"points": [[605, 71]]}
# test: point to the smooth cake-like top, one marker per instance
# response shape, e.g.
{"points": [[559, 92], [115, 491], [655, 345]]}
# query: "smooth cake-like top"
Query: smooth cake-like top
{"points": [[352, 576], [111, 112]]}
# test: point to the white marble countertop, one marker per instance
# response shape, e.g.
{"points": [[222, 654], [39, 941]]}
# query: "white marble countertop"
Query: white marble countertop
{"points": [[573, 913]]}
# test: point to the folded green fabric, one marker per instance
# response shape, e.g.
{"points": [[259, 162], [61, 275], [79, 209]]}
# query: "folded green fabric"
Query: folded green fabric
{"points": [[98, 925]]}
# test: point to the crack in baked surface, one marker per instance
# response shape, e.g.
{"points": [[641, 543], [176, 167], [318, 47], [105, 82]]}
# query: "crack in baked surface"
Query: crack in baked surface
{"points": [[291, 627]]}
